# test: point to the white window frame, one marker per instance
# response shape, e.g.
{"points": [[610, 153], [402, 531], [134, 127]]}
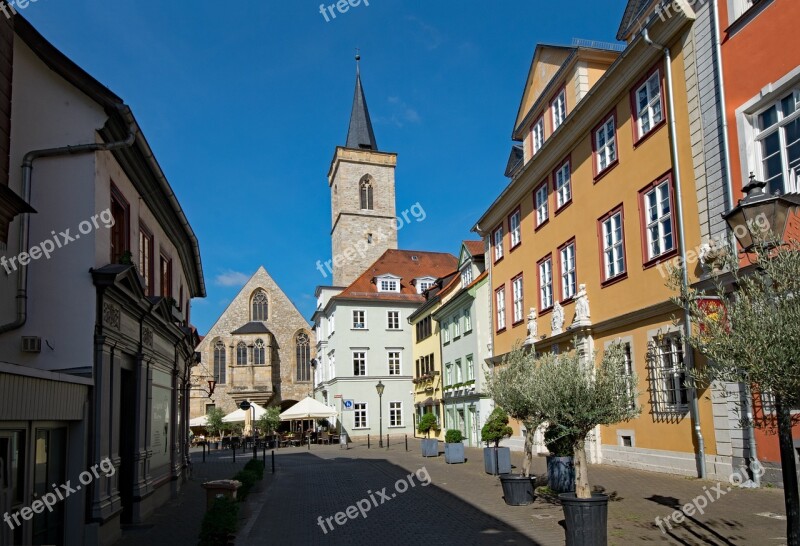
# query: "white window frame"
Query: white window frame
{"points": [[546, 297], [388, 284], [559, 109], [497, 239], [389, 320], [563, 185], [542, 204], [466, 276], [445, 331], [332, 323], [424, 284], [467, 321], [568, 267], [537, 135], [613, 246], [500, 304], [737, 8], [394, 357], [363, 366], [789, 173], [655, 226], [606, 150], [456, 327], [671, 377], [356, 322], [653, 111], [396, 414], [459, 371], [448, 378], [360, 409], [470, 361], [515, 228], [518, 296]]}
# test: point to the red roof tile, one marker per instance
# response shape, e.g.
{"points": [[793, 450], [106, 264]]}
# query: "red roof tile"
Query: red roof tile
{"points": [[474, 247]]}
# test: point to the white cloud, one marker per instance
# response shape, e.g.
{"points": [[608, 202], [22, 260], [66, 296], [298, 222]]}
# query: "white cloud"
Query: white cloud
{"points": [[232, 278]]}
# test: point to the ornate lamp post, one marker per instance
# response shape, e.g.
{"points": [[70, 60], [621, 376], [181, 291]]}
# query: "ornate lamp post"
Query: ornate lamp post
{"points": [[379, 387]]}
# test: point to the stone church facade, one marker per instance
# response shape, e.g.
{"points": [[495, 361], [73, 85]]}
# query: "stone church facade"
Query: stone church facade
{"points": [[260, 350]]}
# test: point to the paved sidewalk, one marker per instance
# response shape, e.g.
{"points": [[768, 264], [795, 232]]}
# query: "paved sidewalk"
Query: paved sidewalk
{"points": [[463, 505]]}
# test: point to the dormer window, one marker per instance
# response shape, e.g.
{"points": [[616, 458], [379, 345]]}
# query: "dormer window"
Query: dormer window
{"points": [[388, 283], [424, 284], [466, 276]]}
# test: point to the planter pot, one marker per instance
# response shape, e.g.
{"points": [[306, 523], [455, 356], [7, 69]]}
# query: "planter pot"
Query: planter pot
{"points": [[500, 465], [518, 490], [586, 520], [561, 474], [454, 453], [430, 448]]}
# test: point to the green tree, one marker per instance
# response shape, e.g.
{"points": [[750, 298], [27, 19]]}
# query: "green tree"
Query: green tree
{"points": [[426, 424], [496, 427], [270, 420], [752, 338], [215, 424]]}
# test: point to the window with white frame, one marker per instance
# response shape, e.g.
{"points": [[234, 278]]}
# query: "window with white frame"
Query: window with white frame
{"points": [[466, 276], [393, 320], [605, 140], [498, 243], [568, 277], [459, 372], [389, 285], [629, 370], [360, 415], [456, 327], [737, 8], [500, 299], [542, 205], [563, 185], [445, 331], [613, 246], [470, 368], [359, 363], [424, 284], [448, 374], [559, 109], [395, 414], [537, 135], [546, 284], [332, 323], [515, 231], [667, 374], [359, 319], [658, 219], [394, 362], [649, 111], [517, 297], [467, 321], [777, 135]]}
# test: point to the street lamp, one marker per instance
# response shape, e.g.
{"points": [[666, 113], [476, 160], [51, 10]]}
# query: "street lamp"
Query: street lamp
{"points": [[379, 387], [760, 213]]}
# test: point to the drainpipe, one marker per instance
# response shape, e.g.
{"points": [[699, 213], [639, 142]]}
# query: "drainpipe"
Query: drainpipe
{"points": [[694, 408], [726, 151], [24, 228]]}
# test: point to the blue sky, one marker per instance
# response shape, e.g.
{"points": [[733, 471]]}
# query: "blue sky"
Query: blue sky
{"points": [[244, 102]]}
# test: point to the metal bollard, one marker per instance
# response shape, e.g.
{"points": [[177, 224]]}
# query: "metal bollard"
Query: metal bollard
{"points": [[204, 452], [234, 453], [367, 441], [273, 461], [264, 455], [255, 450], [406, 442], [387, 441]]}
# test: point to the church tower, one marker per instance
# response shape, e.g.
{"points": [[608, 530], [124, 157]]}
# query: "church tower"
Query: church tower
{"points": [[361, 181]]}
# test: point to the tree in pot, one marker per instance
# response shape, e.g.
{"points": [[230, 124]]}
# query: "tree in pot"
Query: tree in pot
{"points": [[578, 397], [453, 447], [215, 424], [560, 465], [427, 423], [269, 422], [496, 459]]}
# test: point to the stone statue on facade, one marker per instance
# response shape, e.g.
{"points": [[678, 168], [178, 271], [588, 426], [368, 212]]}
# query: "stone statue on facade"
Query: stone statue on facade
{"points": [[557, 322], [532, 328], [582, 313]]}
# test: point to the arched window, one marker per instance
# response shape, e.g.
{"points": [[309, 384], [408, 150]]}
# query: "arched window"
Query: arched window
{"points": [[219, 362], [241, 353], [260, 353], [303, 357], [366, 194], [260, 306]]}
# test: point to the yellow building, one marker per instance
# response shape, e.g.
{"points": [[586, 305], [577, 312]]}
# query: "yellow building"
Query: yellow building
{"points": [[597, 206]]}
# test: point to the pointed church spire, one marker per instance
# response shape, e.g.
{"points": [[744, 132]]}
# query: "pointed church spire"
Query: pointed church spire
{"points": [[360, 135]]}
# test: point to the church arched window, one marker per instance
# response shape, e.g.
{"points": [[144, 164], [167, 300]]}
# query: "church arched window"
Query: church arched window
{"points": [[366, 193], [219, 362], [303, 350], [260, 307], [260, 353], [241, 353]]}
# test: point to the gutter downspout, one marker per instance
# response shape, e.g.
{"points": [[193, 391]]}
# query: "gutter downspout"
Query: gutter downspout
{"points": [[24, 228], [726, 151], [694, 408]]}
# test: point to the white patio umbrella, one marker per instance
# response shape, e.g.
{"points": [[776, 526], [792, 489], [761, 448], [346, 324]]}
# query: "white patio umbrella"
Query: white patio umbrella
{"points": [[308, 408], [199, 421]]}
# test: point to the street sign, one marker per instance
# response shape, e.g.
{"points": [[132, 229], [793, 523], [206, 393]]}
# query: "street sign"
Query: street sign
{"points": [[348, 405], [337, 395], [245, 405]]}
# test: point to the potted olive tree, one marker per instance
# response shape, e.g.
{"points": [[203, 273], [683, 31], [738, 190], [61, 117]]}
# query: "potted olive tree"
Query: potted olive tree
{"points": [[215, 426], [269, 422], [430, 446], [453, 447], [496, 459], [577, 398], [560, 466]]}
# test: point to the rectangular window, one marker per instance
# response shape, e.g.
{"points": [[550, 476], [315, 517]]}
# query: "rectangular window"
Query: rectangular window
{"points": [[470, 368], [542, 204], [120, 212], [668, 375], [658, 222], [466, 276], [649, 105], [559, 109], [456, 327], [629, 372], [563, 182], [146, 258], [395, 414], [394, 362], [393, 320], [498, 244], [500, 302], [359, 320], [605, 144], [360, 415], [537, 135], [449, 374], [613, 237], [778, 144], [424, 330], [467, 321], [166, 277], [514, 229], [359, 363], [459, 372], [389, 285], [737, 8], [545, 284], [568, 276], [517, 297]]}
